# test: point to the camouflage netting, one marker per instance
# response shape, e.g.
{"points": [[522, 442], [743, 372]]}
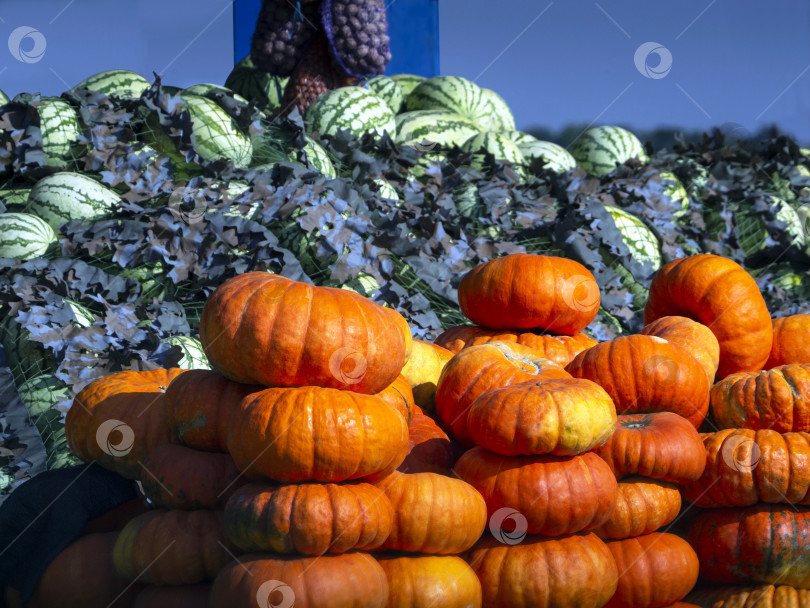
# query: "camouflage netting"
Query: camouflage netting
{"points": [[184, 225]]}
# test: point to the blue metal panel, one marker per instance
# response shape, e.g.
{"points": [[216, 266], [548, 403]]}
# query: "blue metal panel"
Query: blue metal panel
{"points": [[412, 24]]}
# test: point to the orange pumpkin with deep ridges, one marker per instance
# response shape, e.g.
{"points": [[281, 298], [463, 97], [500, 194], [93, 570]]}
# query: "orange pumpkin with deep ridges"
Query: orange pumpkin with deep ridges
{"points": [[576, 571], [777, 399], [556, 494], [557, 349], [477, 369], [422, 371], [261, 328], [720, 294], [117, 420], [697, 339], [762, 596], [642, 506], [430, 450], [791, 341], [319, 434], [430, 581], [646, 374], [526, 291]]}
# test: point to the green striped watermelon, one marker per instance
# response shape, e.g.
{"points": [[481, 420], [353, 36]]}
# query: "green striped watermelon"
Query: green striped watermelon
{"points": [[675, 190], [520, 138], [497, 144], [40, 393], [386, 190], [363, 283], [319, 158], [64, 196], [215, 134], [751, 231], [557, 158], [60, 126], [430, 127], [208, 90], [4, 99], [387, 88], [600, 149], [407, 82], [263, 89], [353, 108], [193, 355], [14, 199], [452, 94], [500, 117], [115, 83], [24, 236], [641, 241]]}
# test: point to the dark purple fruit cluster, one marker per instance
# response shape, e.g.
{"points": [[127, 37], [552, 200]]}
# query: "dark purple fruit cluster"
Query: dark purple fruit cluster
{"points": [[358, 35], [283, 30]]}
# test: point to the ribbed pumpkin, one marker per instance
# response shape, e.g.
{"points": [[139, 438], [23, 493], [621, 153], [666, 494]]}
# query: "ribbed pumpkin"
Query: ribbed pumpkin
{"points": [[556, 494], [646, 374], [116, 420], [557, 349], [429, 447], [744, 467], [178, 477], [320, 434], [399, 395], [172, 547], [422, 370], [791, 341], [433, 513], [576, 571], [654, 570], [561, 417], [503, 294], [430, 581], [758, 544], [262, 328], [777, 399], [697, 339], [765, 596], [173, 596], [82, 576], [199, 405], [308, 518], [349, 580], [720, 294], [661, 446], [477, 369], [642, 506]]}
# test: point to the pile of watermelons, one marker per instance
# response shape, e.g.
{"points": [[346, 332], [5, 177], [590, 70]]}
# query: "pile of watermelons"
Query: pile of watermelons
{"points": [[125, 203]]}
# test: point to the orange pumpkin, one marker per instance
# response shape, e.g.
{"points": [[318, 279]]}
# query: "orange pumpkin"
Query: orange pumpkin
{"points": [[433, 513], [503, 294], [777, 399], [654, 570], [341, 581], [429, 447], [262, 328], [399, 395], [791, 341], [557, 349], [422, 370], [556, 495], [764, 596], [319, 434], [576, 571], [642, 506], [744, 467], [646, 374], [118, 419], [199, 405], [697, 339], [308, 518], [661, 446], [561, 417], [429, 581], [720, 294], [477, 369]]}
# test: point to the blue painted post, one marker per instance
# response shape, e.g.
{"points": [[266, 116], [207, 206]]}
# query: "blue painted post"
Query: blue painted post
{"points": [[412, 24]]}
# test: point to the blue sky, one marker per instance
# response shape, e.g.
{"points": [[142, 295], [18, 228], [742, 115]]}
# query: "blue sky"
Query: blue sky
{"points": [[555, 62]]}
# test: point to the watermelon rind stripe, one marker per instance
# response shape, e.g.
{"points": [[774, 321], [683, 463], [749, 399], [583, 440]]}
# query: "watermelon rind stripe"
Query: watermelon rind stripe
{"points": [[115, 83], [24, 236]]}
